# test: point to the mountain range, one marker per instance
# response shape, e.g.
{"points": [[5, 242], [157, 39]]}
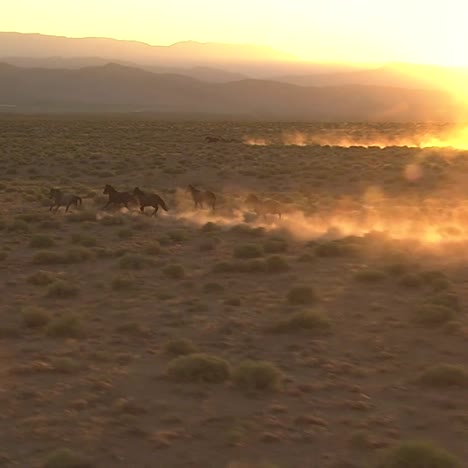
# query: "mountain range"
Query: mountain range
{"points": [[49, 73]]}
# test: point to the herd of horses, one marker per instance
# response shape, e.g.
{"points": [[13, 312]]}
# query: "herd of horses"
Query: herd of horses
{"points": [[149, 199]]}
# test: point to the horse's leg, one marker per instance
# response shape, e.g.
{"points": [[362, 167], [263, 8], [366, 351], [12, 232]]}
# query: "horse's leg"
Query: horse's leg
{"points": [[51, 206], [142, 208], [68, 206], [155, 210], [106, 205]]}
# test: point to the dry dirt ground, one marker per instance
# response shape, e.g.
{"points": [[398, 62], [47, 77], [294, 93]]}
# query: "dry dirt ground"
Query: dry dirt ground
{"points": [[193, 339]]}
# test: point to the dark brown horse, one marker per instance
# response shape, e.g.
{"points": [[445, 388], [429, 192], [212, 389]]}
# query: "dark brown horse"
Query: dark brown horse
{"points": [[117, 198], [63, 199], [199, 197], [263, 207], [149, 199]]}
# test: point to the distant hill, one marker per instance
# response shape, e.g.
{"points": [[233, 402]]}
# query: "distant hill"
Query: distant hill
{"points": [[115, 87], [209, 74], [189, 58], [395, 75]]}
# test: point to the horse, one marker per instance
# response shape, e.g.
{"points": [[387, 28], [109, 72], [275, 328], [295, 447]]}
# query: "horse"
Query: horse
{"points": [[117, 198], [264, 207], [211, 139], [149, 199], [63, 199], [199, 197]]}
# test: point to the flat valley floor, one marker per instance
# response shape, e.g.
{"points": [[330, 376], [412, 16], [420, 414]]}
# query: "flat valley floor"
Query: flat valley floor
{"points": [[323, 339]]}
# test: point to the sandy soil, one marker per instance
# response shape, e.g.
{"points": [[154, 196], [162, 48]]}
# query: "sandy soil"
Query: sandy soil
{"points": [[98, 306]]}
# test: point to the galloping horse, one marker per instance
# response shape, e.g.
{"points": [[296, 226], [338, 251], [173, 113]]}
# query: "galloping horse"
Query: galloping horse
{"points": [[199, 197], [117, 198], [149, 199], [63, 199], [263, 207]]}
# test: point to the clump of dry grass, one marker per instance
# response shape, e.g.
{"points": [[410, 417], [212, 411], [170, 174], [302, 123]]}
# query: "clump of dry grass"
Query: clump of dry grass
{"points": [[180, 347], [66, 458], [302, 295], [418, 454], [41, 278], [60, 289], [315, 321], [65, 326], [257, 375], [444, 375], [41, 241], [199, 368], [35, 317], [247, 251], [277, 264], [174, 271], [134, 262]]}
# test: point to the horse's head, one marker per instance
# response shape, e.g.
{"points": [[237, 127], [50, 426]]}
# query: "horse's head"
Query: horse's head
{"points": [[190, 188], [136, 191], [107, 189]]}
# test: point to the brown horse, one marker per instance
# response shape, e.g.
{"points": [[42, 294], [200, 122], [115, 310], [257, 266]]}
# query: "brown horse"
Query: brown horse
{"points": [[263, 207], [117, 198], [149, 199], [199, 197], [63, 199]]}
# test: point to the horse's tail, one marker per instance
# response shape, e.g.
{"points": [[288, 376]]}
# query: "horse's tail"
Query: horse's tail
{"points": [[162, 204]]}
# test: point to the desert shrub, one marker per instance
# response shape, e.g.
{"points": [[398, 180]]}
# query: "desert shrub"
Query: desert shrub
{"points": [[213, 288], [78, 254], [18, 225], [85, 241], [46, 257], [122, 283], [277, 264], [302, 295], [444, 375], [418, 454], [410, 280], [247, 251], [433, 314], [125, 233], [133, 262], [113, 220], [370, 275], [206, 245], [66, 326], [180, 347], [61, 289], [81, 216], [445, 299], [174, 271], [331, 249], [40, 278], [41, 241], [309, 320], [275, 246], [178, 235], [257, 375], [66, 458], [223, 267], [251, 266], [199, 368], [153, 249], [437, 280], [210, 227], [35, 317]]}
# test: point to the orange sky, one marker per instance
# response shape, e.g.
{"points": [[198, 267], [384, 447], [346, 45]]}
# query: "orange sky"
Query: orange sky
{"points": [[365, 31]]}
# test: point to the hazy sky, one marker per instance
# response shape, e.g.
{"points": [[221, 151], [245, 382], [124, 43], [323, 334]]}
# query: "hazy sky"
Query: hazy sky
{"points": [[423, 31]]}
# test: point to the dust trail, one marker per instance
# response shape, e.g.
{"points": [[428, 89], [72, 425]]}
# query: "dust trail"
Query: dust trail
{"points": [[455, 138]]}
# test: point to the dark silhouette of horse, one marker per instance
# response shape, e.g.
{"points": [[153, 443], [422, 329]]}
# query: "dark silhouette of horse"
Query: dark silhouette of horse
{"points": [[117, 198], [211, 139], [149, 199], [60, 198], [199, 197], [263, 207]]}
